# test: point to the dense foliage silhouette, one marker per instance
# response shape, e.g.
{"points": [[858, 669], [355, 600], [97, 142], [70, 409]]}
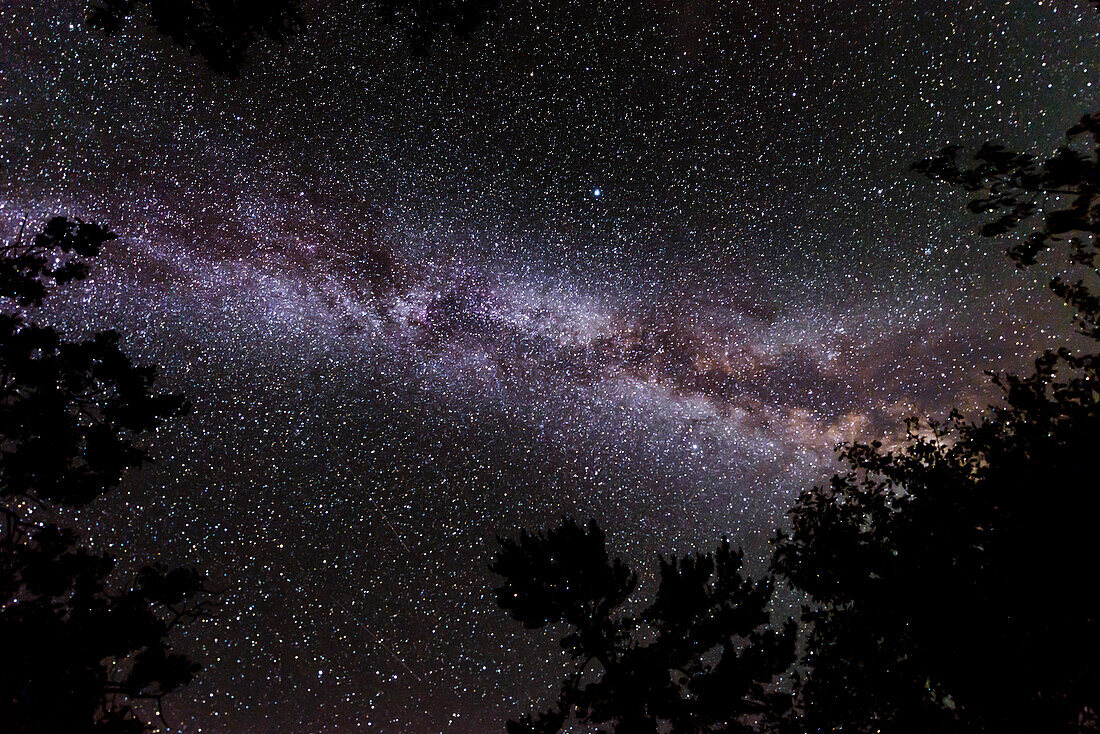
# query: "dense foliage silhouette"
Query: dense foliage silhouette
{"points": [[951, 574], [700, 658], [222, 32], [82, 647]]}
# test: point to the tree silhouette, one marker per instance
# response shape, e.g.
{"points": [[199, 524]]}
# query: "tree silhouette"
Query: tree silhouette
{"points": [[79, 651], [81, 646], [222, 32], [699, 658], [951, 574], [70, 411], [1062, 192]]}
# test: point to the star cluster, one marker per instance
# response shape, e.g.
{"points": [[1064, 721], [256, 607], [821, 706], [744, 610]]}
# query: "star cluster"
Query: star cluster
{"points": [[646, 262]]}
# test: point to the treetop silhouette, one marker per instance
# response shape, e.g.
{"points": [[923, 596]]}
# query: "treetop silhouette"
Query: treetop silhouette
{"points": [[220, 32], [699, 658], [223, 32], [1059, 198]]}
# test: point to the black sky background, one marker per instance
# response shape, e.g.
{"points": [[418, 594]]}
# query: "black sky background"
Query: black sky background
{"points": [[408, 322]]}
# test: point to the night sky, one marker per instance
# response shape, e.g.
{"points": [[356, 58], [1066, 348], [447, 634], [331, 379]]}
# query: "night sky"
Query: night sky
{"points": [[646, 262]]}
